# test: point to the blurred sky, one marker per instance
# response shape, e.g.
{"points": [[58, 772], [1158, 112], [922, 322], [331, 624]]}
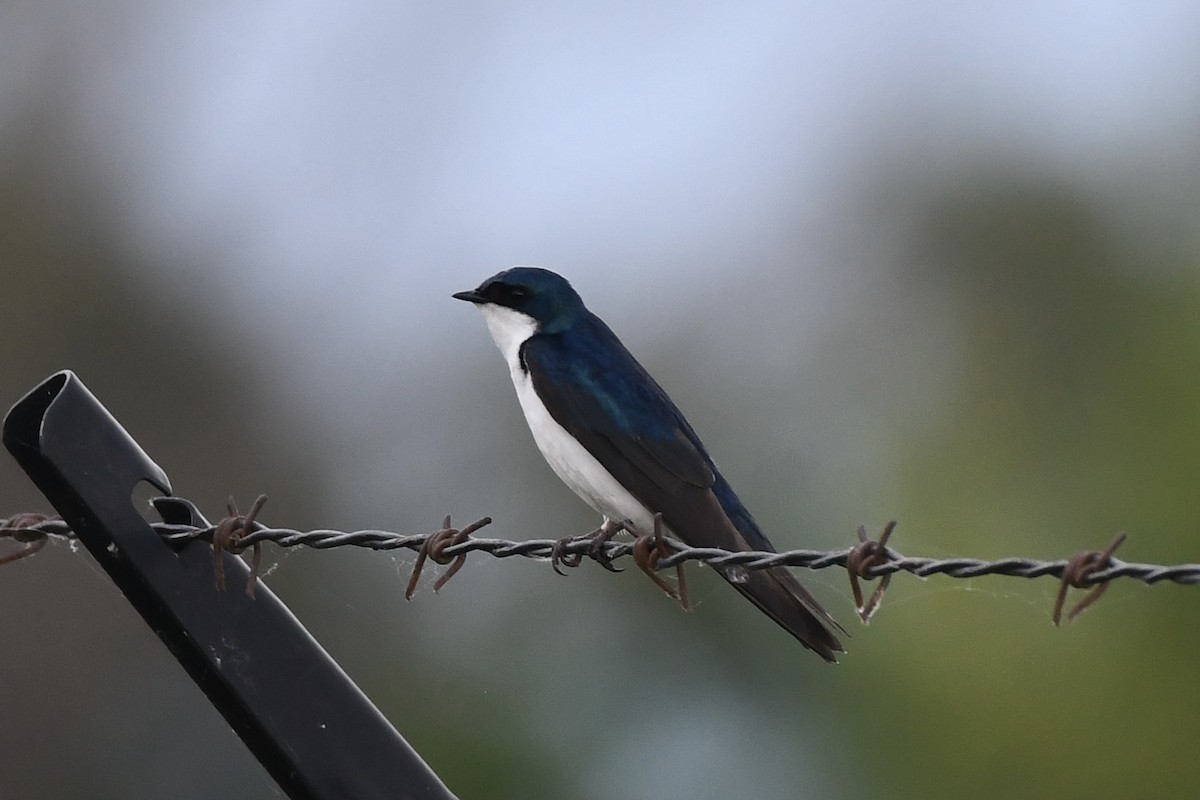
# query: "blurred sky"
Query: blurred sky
{"points": [[284, 195]]}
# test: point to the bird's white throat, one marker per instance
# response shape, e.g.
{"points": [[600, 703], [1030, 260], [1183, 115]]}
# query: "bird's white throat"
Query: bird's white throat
{"points": [[509, 329]]}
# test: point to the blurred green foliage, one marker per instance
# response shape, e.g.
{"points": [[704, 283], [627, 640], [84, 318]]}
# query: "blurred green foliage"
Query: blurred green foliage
{"points": [[1073, 415]]}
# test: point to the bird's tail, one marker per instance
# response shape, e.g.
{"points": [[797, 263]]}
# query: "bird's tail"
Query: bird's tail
{"points": [[781, 597]]}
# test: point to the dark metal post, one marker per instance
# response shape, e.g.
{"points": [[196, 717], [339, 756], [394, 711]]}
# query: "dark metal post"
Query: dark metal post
{"points": [[315, 732]]}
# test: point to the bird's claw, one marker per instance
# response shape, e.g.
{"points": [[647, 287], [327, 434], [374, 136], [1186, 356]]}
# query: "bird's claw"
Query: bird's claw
{"points": [[559, 554], [598, 551], [597, 548]]}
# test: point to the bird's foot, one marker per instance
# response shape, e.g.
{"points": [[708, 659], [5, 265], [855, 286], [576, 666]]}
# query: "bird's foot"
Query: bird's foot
{"points": [[648, 550], [597, 549]]}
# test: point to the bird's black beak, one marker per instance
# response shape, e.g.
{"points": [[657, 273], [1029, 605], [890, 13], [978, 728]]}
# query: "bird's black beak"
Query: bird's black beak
{"points": [[472, 296]]}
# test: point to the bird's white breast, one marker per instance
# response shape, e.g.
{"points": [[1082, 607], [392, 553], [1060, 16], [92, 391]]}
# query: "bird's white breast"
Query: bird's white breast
{"points": [[573, 464]]}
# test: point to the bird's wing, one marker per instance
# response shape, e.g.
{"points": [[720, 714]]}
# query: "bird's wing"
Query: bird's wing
{"points": [[599, 393]]}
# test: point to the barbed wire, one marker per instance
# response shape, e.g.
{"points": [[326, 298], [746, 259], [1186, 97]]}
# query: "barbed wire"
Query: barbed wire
{"points": [[867, 560], [542, 549]]}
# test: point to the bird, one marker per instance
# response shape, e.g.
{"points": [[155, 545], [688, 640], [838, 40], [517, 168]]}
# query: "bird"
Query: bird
{"points": [[614, 436]]}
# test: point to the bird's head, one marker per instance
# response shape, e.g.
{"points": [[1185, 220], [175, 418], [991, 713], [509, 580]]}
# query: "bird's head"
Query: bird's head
{"points": [[522, 301]]}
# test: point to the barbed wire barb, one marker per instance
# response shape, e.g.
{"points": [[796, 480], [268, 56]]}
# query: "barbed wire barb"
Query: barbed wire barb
{"points": [[1077, 571], [863, 557]]}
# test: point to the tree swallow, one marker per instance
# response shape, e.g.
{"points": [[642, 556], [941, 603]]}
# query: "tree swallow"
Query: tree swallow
{"points": [[611, 433]]}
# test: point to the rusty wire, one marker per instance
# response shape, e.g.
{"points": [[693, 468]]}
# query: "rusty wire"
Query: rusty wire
{"points": [[867, 560], [651, 552], [542, 549]]}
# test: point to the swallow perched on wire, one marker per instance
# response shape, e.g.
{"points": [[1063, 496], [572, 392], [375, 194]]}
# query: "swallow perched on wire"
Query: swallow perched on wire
{"points": [[611, 433]]}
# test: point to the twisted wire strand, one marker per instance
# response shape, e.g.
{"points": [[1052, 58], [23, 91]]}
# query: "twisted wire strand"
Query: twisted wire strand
{"points": [[544, 549]]}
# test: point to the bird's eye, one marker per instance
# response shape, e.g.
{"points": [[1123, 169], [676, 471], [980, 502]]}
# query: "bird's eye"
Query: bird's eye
{"points": [[518, 292]]}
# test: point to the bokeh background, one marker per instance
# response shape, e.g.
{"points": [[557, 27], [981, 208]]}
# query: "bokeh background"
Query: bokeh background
{"points": [[936, 262]]}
